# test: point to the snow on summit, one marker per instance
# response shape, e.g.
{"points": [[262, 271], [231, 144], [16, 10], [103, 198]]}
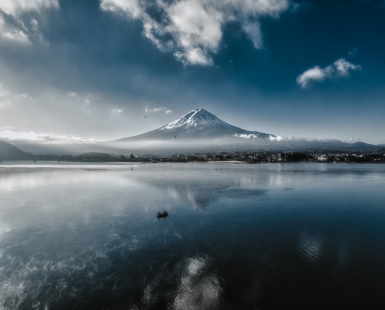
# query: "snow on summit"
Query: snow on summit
{"points": [[197, 119]]}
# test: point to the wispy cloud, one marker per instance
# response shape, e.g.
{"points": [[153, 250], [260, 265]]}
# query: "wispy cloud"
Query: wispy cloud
{"points": [[24, 96], [159, 109], [339, 68], [192, 29], [292, 138], [10, 134], [117, 111], [352, 52]]}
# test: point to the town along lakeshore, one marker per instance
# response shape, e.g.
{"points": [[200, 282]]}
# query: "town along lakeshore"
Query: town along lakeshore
{"points": [[376, 156]]}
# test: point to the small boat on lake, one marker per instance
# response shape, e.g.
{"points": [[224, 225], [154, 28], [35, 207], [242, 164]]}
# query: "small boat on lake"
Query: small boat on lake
{"points": [[162, 214]]}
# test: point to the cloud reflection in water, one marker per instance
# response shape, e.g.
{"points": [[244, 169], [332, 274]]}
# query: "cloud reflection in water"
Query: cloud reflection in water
{"points": [[236, 237]]}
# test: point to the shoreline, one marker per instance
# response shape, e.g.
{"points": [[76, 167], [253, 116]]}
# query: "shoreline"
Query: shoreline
{"points": [[235, 162]]}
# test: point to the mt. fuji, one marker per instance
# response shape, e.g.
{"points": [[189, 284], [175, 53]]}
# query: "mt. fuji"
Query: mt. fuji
{"points": [[198, 123]]}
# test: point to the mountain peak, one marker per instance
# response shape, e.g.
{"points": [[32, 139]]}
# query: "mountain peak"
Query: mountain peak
{"points": [[198, 123], [200, 110]]}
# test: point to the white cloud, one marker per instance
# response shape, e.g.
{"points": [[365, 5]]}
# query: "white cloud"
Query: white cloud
{"points": [[131, 8], [340, 67], [192, 29], [17, 31], [159, 109], [314, 74], [281, 138], [153, 110], [117, 111], [16, 7], [246, 136], [12, 135], [72, 94], [196, 30], [291, 138], [12, 33]]}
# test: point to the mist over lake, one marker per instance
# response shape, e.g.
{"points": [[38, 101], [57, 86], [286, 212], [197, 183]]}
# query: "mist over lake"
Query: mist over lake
{"points": [[268, 236]]}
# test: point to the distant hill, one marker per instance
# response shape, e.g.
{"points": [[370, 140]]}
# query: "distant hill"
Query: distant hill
{"points": [[11, 152]]}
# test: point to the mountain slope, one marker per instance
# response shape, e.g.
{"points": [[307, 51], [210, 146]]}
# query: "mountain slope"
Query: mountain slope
{"points": [[10, 152], [198, 123]]}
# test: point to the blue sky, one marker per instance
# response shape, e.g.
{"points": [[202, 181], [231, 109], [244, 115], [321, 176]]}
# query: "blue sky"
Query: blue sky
{"points": [[81, 70]]}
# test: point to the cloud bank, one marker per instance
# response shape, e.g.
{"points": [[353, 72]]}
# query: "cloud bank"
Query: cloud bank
{"points": [[296, 139], [339, 68], [192, 29], [9, 134]]}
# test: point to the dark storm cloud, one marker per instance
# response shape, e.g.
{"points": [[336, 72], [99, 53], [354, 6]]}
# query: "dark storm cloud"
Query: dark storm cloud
{"points": [[239, 59]]}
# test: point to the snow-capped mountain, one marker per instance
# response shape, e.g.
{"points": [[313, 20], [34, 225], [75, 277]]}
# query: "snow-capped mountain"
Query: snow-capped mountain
{"points": [[198, 123]]}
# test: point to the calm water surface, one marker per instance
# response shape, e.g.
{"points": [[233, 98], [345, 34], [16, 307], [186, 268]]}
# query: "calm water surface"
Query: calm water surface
{"points": [[271, 236]]}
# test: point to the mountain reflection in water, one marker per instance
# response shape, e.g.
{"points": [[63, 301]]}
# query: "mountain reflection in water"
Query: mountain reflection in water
{"points": [[290, 236]]}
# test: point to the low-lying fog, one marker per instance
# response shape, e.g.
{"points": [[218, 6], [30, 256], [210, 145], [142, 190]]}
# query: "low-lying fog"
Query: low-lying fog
{"points": [[190, 146]]}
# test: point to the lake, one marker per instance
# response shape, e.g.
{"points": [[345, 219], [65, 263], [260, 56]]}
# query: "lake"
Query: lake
{"points": [[238, 236]]}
